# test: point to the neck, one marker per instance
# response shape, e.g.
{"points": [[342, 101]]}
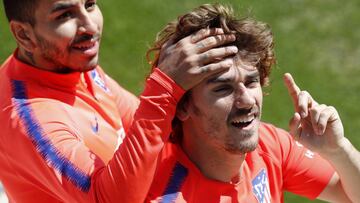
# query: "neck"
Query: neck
{"points": [[213, 162], [29, 58], [25, 57]]}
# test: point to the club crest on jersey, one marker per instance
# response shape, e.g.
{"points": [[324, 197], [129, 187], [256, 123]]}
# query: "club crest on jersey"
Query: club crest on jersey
{"points": [[260, 186], [99, 81]]}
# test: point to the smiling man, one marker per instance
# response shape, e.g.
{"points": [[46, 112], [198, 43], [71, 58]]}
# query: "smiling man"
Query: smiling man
{"points": [[67, 39], [222, 152], [69, 133]]}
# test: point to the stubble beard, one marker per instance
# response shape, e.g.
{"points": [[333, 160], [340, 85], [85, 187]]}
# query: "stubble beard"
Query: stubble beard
{"points": [[239, 142], [52, 54], [243, 142]]}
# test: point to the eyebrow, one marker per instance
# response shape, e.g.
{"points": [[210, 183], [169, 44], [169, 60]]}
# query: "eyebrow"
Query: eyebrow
{"points": [[253, 74], [61, 6], [218, 80]]}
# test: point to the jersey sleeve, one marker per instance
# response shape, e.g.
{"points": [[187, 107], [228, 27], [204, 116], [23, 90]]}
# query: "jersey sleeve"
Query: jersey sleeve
{"points": [[130, 173], [54, 158], [305, 173]]}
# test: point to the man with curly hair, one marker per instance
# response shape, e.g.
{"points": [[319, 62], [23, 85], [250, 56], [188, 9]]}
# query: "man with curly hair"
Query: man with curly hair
{"points": [[222, 152]]}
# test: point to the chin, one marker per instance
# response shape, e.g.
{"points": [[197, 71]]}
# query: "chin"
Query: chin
{"points": [[87, 65], [88, 68], [243, 146], [242, 149]]}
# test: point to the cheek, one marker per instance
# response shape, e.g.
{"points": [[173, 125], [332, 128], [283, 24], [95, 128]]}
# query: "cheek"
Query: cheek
{"points": [[260, 99], [219, 111], [66, 31], [98, 19], [212, 107], [258, 95]]}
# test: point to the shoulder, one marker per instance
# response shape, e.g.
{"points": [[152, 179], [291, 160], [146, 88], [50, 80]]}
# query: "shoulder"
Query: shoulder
{"points": [[39, 115], [274, 142], [270, 135]]}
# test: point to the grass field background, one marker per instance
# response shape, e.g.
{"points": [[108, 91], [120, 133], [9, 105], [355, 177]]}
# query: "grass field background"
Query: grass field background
{"points": [[316, 40]]}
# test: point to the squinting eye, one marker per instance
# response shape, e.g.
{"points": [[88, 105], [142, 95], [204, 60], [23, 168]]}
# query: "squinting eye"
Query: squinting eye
{"points": [[222, 89], [253, 82], [90, 5], [64, 15]]}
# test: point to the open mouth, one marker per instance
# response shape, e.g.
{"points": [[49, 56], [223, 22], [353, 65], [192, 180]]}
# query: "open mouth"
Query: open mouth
{"points": [[243, 122], [88, 48], [84, 46]]}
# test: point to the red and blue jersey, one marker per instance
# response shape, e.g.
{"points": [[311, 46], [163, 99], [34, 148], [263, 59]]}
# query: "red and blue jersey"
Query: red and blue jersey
{"points": [[62, 136], [278, 164]]}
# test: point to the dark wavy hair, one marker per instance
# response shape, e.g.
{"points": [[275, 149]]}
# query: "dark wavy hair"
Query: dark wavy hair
{"points": [[21, 10], [254, 40]]}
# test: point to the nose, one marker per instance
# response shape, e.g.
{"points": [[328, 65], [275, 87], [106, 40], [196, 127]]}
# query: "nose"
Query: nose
{"points": [[243, 98], [87, 25]]}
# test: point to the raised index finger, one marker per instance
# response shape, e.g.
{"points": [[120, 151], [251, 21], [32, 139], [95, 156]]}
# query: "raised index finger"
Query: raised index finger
{"points": [[292, 88]]}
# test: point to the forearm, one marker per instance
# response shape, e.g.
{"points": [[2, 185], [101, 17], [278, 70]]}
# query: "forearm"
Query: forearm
{"points": [[346, 161], [129, 174]]}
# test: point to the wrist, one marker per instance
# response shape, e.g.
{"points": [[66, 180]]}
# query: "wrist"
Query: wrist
{"points": [[344, 149]]}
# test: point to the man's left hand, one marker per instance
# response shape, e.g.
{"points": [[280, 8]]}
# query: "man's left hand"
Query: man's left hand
{"points": [[316, 126]]}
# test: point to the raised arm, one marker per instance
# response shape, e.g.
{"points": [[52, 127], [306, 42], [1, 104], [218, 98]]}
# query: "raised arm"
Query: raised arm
{"points": [[61, 160], [187, 62], [319, 128]]}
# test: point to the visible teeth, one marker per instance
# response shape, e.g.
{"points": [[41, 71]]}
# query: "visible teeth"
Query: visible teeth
{"points": [[244, 119], [83, 46]]}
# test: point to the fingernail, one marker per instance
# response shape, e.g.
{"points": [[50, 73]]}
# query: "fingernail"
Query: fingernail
{"points": [[320, 130], [234, 49], [193, 39], [228, 62]]}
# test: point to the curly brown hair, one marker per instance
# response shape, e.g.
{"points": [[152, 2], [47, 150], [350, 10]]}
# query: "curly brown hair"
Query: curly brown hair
{"points": [[254, 39]]}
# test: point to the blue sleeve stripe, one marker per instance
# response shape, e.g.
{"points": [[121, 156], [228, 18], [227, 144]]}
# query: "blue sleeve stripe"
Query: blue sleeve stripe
{"points": [[42, 144], [177, 178]]}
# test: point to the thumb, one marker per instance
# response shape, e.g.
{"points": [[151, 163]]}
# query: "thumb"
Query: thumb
{"points": [[295, 126]]}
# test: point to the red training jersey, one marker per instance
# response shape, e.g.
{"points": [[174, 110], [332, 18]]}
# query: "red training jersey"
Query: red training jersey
{"points": [[63, 138], [278, 164]]}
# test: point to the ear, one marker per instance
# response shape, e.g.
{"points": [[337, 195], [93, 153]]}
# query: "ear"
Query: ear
{"points": [[182, 115], [182, 110], [23, 33]]}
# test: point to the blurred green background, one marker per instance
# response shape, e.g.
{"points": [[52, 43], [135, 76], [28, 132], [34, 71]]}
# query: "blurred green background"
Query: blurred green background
{"points": [[316, 41]]}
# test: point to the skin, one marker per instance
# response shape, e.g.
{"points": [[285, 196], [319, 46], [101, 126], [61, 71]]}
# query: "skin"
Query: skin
{"points": [[197, 57], [210, 117], [319, 128], [66, 38], [218, 148]]}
